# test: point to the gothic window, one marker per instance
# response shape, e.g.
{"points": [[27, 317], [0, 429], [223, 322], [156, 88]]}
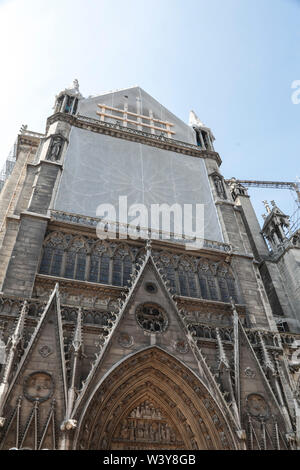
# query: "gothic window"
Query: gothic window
{"points": [[203, 286], [204, 278], [231, 288], [104, 268], [94, 268], [76, 260], [80, 265], [57, 261], [52, 256], [226, 284], [66, 256], [212, 288], [170, 272], [183, 283], [117, 270], [122, 267], [187, 282], [187, 278], [193, 291], [70, 264], [99, 266], [46, 260], [127, 268], [203, 282], [223, 290]]}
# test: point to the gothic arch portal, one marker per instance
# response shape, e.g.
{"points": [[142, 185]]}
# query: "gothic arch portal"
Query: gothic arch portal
{"points": [[153, 401]]}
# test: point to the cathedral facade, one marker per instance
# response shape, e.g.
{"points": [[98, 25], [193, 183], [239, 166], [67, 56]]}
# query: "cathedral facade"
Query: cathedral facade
{"points": [[114, 335]]}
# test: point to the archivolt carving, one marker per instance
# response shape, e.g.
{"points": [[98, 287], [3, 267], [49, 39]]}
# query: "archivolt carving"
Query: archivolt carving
{"points": [[152, 377]]}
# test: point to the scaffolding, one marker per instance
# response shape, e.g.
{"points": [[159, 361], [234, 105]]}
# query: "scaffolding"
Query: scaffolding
{"points": [[8, 165], [293, 186]]}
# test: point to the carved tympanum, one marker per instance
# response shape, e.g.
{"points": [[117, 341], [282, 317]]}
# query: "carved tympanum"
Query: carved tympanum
{"points": [[146, 427]]}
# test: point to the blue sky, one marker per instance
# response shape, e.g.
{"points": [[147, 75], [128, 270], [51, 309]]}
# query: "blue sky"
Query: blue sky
{"points": [[232, 61]]}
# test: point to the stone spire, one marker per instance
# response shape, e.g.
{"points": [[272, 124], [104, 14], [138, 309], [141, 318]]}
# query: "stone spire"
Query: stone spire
{"points": [[266, 204], [223, 361], [194, 120], [276, 223], [14, 340], [267, 362], [77, 344], [78, 340]]}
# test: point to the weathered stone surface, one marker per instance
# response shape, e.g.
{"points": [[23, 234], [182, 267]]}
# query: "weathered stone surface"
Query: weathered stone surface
{"points": [[216, 374]]}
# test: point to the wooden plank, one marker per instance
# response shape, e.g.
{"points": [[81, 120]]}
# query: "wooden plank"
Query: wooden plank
{"points": [[136, 115], [136, 123]]}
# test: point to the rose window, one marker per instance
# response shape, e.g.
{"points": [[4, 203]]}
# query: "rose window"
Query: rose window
{"points": [[152, 318]]}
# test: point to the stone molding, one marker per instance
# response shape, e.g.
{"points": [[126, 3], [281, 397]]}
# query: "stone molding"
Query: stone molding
{"points": [[115, 130]]}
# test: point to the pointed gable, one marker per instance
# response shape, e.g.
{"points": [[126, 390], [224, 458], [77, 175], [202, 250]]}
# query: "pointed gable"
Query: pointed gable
{"points": [[150, 296], [262, 416], [40, 377], [137, 102]]}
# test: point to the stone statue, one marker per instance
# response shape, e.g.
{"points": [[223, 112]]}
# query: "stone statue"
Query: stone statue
{"points": [[55, 149], [76, 85], [124, 431]]}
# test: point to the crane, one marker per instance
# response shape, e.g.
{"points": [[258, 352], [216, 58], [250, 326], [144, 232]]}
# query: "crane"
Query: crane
{"points": [[294, 186], [269, 184]]}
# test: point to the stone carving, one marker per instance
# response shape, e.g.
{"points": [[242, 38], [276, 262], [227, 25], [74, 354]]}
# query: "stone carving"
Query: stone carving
{"points": [[249, 373], [219, 185], [147, 424], [138, 369], [257, 406], [45, 351], [125, 340], [2, 352], [181, 346], [146, 411], [38, 386], [191, 276], [150, 287], [56, 145], [152, 318]]}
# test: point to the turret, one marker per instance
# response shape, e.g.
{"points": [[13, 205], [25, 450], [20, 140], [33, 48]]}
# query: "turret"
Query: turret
{"points": [[276, 225], [203, 135], [67, 100]]}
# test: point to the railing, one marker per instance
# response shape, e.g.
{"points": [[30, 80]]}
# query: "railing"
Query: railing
{"points": [[160, 138], [144, 234], [25, 132], [126, 131]]}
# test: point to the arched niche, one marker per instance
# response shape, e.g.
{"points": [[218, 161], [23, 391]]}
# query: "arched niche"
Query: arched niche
{"points": [[115, 416]]}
